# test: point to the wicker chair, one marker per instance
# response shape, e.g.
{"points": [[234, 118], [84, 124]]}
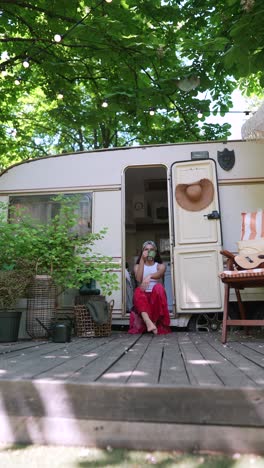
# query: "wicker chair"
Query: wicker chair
{"points": [[238, 278]]}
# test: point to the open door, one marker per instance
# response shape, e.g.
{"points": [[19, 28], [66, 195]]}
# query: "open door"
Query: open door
{"points": [[147, 217], [197, 242]]}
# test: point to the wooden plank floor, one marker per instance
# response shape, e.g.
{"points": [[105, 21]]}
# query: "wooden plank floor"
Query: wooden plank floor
{"points": [[184, 391], [178, 359]]}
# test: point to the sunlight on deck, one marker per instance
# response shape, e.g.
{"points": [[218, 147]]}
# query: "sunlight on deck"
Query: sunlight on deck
{"points": [[116, 375], [56, 357], [60, 398], [6, 427], [202, 361]]}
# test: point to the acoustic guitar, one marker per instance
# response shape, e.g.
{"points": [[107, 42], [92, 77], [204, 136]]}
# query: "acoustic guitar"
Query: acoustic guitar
{"points": [[249, 261]]}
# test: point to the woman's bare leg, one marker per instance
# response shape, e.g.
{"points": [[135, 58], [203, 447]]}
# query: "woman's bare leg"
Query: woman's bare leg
{"points": [[151, 327]]}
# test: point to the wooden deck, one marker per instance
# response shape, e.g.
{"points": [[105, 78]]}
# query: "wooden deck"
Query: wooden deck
{"points": [[182, 391]]}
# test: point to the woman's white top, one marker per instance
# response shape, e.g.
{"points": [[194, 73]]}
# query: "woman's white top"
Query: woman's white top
{"points": [[149, 270]]}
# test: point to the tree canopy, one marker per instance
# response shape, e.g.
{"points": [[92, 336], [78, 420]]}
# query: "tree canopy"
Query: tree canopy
{"points": [[87, 74], [230, 34]]}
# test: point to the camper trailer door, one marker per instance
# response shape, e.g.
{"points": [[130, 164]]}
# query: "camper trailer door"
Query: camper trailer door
{"points": [[197, 236]]}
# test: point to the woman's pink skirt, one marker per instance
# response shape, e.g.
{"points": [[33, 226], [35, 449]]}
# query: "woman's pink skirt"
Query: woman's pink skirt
{"points": [[155, 304]]}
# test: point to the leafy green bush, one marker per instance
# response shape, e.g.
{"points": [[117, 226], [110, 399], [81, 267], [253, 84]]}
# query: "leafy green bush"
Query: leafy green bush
{"points": [[55, 248], [13, 284]]}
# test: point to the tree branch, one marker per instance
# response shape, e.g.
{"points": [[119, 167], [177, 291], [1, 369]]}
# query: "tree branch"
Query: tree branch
{"points": [[30, 6]]}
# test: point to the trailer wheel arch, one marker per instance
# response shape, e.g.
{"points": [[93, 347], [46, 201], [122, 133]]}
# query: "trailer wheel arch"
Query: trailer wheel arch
{"points": [[205, 322]]}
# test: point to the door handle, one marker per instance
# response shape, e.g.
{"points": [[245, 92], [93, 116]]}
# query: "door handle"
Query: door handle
{"points": [[213, 215]]}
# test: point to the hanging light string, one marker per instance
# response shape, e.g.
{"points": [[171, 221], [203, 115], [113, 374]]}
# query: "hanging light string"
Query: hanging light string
{"points": [[57, 39], [89, 11], [246, 112]]}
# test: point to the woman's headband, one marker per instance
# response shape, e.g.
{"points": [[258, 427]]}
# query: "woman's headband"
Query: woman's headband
{"points": [[149, 242]]}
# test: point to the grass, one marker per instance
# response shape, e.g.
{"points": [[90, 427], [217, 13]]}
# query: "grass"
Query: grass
{"points": [[34, 456]]}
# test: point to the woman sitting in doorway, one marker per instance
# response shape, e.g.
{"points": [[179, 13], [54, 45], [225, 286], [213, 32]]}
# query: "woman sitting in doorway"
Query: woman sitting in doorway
{"points": [[150, 311]]}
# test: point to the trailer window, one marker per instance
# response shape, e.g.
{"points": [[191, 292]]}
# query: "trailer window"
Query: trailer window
{"points": [[42, 208]]}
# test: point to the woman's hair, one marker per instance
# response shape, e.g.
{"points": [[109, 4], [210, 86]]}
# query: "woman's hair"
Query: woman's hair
{"points": [[157, 258], [154, 245]]}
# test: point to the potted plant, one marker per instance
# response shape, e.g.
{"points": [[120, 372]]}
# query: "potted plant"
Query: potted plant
{"points": [[55, 249], [13, 285], [15, 275]]}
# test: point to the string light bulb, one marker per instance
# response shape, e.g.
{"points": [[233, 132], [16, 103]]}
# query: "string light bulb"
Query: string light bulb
{"points": [[108, 1], [60, 95], [25, 64], [57, 38], [105, 104], [200, 115], [17, 82], [151, 112]]}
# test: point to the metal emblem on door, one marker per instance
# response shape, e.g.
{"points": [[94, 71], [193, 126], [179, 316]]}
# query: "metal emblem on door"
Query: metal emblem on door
{"points": [[226, 159]]}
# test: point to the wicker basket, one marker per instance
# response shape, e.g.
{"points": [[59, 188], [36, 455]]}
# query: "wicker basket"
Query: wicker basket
{"points": [[84, 325]]}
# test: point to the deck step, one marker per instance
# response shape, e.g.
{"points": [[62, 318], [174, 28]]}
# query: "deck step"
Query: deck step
{"points": [[132, 416]]}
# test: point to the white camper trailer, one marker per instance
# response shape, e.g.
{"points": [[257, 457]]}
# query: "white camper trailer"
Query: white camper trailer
{"points": [[132, 192]]}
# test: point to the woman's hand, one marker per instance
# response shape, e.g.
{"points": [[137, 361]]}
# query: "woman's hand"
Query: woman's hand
{"points": [[145, 283], [144, 255]]}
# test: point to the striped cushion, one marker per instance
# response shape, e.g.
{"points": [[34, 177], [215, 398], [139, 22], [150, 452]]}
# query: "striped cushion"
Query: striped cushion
{"points": [[256, 272], [252, 225]]}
